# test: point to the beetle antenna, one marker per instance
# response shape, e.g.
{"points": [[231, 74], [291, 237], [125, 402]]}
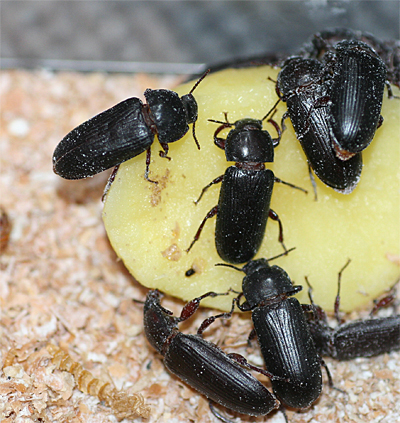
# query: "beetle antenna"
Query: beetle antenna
{"points": [[272, 110], [270, 259], [282, 254], [229, 265], [194, 135], [220, 122], [200, 79], [226, 124], [337, 299]]}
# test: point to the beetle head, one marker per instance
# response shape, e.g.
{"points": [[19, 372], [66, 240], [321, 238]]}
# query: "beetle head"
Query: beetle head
{"points": [[158, 321], [298, 72]]}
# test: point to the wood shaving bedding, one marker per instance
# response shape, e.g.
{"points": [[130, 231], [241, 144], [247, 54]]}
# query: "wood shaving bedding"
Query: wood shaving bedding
{"points": [[61, 283]]}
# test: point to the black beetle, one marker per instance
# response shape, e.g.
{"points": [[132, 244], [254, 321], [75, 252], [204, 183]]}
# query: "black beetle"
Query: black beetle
{"points": [[125, 131], [301, 85], [360, 338], [283, 334], [203, 365], [244, 201], [355, 95], [326, 40]]}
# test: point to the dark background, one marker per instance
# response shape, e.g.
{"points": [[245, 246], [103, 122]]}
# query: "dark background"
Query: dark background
{"points": [[168, 36]]}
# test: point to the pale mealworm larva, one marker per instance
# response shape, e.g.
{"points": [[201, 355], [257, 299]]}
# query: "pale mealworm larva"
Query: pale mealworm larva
{"points": [[124, 405]]}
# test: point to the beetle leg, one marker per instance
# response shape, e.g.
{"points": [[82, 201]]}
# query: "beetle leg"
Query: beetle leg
{"points": [[337, 299], [309, 310], [277, 91], [273, 215], [217, 414], [390, 91], [148, 160], [310, 289], [313, 183], [380, 121], [388, 299], [383, 302], [218, 141], [321, 102], [318, 313], [251, 337], [284, 117], [110, 180], [328, 373], [210, 214], [283, 411], [290, 185], [330, 380], [191, 307], [206, 323], [215, 181], [243, 362], [164, 153], [279, 131]]}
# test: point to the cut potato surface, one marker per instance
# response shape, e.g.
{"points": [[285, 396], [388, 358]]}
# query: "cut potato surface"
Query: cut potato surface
{"points": [[150, 226]]}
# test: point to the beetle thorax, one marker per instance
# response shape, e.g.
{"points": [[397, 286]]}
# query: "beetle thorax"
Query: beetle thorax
{"points": [[265, 284], [249, 144]]}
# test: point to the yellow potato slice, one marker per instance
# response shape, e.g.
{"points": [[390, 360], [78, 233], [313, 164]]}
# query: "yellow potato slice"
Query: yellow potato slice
{"points": [[150, 226]]}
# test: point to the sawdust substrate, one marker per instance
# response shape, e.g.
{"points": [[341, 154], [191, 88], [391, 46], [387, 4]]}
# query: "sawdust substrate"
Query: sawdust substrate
{"points": [[62, 283]]}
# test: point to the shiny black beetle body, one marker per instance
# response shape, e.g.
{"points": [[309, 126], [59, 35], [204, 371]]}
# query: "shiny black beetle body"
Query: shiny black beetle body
{"points": [[246, 190], [245, 195], [125, 131], [355, 94], [327, 40], [283, 333], [201, 364], [301, 85], [360, 338]]}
